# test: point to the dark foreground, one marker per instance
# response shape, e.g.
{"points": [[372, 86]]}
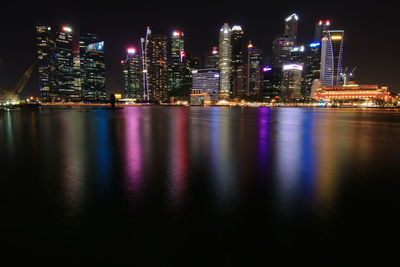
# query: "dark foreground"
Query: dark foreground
{"points": [[176, 186]]}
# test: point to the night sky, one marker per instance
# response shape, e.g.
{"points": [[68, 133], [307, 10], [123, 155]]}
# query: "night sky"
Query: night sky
{"points": [[371, 31]]}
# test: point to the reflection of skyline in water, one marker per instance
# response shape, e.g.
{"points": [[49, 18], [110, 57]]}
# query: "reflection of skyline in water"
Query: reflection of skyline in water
{"points": [[133, 157], [198, 178], [74, 162], [178, 156]]}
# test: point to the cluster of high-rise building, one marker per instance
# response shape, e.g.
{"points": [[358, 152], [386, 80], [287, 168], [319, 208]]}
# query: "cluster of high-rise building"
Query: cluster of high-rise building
{"points": [[71, 65], [290, 72], [162, 69]]}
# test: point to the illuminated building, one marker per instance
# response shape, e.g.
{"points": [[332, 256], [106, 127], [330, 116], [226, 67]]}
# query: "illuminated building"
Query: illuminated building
{"points": [[281, 50], [291, 81], [225, 59], [77, 70], [291, 25], [352, 91], [212, 58], [155, 67], [255, 61], [65, 65], [331, 58], [271, 81], [312, 69], [237, 46], [321, 29], [176, 64], [93, 70], [297, 55], [247, 80], [240, 79], [206, 81], [131, 75], [46, 62]]}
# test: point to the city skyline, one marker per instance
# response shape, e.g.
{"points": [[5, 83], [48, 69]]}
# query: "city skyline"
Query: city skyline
{"points": [[200, 38]]}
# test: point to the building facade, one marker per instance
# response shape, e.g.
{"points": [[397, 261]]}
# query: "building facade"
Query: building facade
{"points": [[176, 65], [206, 81], [131, 75], [155, 67], [291, 81], [352, 91], [332, 58], [281, 50], [312, 66], [65, 65], [271, 81], [291, 26], [225, 59], [93, 69], [211, 59], [46, 63]]}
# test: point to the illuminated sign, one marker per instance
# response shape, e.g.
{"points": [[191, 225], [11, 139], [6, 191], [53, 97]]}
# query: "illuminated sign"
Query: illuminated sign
{"points": [[298, 49], [292, 67], [96, 46], [336, 37], [131, 50], [315, 44], [66, 29], [265, 69], [293, 16], [177, 34], [182, 54], [118, 96], [236, 28]]}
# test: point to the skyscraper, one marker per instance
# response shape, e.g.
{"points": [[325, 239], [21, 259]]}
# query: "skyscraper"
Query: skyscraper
{"points": [[93, 69], [291, 81], [271, 81], [65, 65], [46, 63], [291, 25], [281, 50], [237, 46], [321, 29], [156, 66], [176, 64], [225, 59], [206, 81], [255, 62], [131, 74], [332, 57], [212, 58], [312, 67]]}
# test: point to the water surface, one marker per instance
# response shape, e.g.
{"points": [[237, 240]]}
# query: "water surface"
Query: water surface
{"points": [[215, 186]]}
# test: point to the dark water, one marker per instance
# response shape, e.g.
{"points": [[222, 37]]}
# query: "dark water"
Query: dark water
{"points": [[176, 186]]}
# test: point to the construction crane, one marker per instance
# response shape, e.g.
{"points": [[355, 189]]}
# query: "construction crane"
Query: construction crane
{"points": [[14, 93], [347, 76]]}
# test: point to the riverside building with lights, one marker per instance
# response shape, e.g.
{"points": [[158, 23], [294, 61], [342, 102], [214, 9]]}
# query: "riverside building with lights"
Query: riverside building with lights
{"points": [[205, 85], [352, 91]]}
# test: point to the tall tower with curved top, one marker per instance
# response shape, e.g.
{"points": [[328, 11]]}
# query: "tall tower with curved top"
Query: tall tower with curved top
{"points": [[225, 59]]}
